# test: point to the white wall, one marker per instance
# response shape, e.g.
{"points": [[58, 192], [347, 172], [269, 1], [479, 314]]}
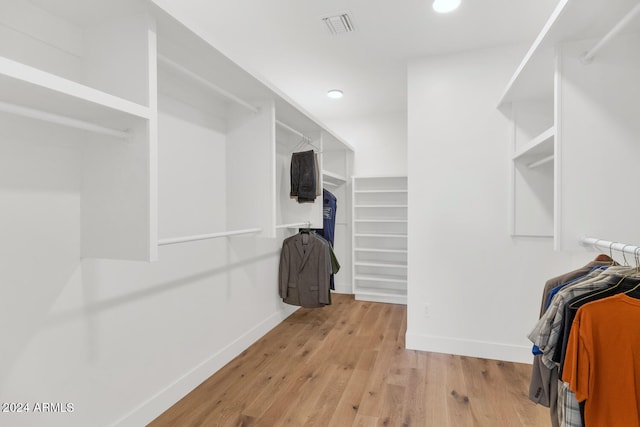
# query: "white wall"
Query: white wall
{"points": [[473, 290], [123, 340], [380, 143]]}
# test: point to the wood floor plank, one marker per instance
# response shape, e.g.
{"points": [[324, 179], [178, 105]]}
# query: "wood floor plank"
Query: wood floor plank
{"points": [[373, 395], [346, 365], [437, 390], [365, 421], [479, 386], [392, 400], [458, 406], [323, 408], [415, 414], [347, 408]]}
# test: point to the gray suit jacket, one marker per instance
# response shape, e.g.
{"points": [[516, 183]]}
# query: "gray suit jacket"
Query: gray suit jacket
{"points": [[305, 266]]}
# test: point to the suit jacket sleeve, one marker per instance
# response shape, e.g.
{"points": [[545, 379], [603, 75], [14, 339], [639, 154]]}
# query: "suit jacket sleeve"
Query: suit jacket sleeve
{"points": [[324, 274], [283, 271]]}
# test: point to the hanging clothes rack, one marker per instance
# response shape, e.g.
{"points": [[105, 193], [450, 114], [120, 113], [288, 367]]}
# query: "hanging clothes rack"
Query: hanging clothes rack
{"points": [[306, 224], [610, 246], [588, 56], [305, 138], [541, 162], [195, 77], [194, 238], [61, 120]]}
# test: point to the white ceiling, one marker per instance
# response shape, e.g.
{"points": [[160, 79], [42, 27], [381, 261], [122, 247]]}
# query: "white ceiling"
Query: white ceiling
{"points": [[285, 43]]}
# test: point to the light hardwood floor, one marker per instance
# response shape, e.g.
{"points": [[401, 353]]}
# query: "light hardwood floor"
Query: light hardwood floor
{"points": [[346, 365]]}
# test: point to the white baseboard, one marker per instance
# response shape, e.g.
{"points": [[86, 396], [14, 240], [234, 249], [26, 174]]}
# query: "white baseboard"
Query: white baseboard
{"points": [[150, 409], [343, 288], [467, 347]]}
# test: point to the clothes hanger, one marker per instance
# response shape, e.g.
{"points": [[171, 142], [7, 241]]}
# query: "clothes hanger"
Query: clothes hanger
{"points": [[624, 256], [307, 228], [631, 274], [612, 260], [604, 258], [635, 288], [305, 141], [300, 144], [611, 250]]}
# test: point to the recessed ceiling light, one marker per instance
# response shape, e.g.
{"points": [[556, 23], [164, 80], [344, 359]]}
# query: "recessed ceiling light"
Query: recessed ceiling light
{"points": [[335, 94], [445, 6]]}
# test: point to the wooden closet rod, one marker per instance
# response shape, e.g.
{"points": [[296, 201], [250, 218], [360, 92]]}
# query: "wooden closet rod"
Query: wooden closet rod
{"points": [[32, 113], [196, 237], [588, 56], [193, 76], [611, 246]]}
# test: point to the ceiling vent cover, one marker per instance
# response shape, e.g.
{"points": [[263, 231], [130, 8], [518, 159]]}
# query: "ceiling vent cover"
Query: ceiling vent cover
{"points": [[339, 23]]}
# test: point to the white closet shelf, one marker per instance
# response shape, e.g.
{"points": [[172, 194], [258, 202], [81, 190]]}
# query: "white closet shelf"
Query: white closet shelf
{"points": [[41, 95], [379, 191], [380, 264], [381, 206], [333, 179], [571, 20], [540, 148], [379, 278], [402, 221], [295, 225], [382, 235], [394, 296], [377, 291], [389, 251]]}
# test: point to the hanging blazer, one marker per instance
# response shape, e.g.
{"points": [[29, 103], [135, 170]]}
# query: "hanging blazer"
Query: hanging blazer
{"points": [[305, 265]]}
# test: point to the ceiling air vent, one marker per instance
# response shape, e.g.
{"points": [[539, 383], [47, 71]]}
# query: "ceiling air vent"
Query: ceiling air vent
{"points": [[339, 23]]}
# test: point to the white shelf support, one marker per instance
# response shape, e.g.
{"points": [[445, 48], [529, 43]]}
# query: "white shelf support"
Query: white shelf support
{"points": [[190, 74], [61, 120], [588, 56], [172, 241]]}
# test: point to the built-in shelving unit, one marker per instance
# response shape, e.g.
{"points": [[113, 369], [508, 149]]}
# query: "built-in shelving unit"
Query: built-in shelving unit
{"points": [[380, 238], [108, 82], [305, 137], [39, 94], [88, 85], [200, 96], [581, 65]]}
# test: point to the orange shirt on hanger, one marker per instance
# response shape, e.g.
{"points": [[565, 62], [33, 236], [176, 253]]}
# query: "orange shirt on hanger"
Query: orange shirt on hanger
{"points": [[602, 364]]}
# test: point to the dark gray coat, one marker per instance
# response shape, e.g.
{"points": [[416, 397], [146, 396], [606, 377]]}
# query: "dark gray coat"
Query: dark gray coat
{"points": [[305, 266]]}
